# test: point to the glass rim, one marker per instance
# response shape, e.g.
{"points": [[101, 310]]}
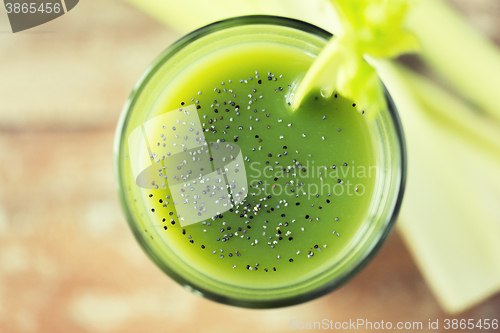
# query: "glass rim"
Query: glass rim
{"points": [[197, 288]]}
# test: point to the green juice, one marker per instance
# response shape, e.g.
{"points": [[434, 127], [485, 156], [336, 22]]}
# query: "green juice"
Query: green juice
{"points": [[232, 193], [310, 174]]}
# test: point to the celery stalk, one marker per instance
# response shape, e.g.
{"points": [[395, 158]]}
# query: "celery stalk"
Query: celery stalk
{"points": [[370, 28], [186, 15], [454, 115], [468, 61], [450, 214]]}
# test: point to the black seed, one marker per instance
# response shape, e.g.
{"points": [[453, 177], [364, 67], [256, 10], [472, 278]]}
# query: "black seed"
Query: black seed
{"points": [[153, 210], [165, 227], [198, 106], [297, 204], [291, 260], [290, 238], [150, 195], [182, 103], [307, 216], [260, 81], [203, 246]]}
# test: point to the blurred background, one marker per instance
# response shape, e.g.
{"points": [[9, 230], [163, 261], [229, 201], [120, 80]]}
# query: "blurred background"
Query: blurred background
{"points": [[68, 261]]}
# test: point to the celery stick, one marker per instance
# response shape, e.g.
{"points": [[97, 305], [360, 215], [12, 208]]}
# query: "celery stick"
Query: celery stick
{"points": [[450, 214], [467, 60], [454, 115], [187, 15]]}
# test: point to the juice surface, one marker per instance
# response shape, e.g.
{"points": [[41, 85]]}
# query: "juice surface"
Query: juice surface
{"points": [[310, 173]]}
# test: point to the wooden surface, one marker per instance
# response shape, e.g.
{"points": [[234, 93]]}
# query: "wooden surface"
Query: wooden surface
{"points": [[68, 261]]}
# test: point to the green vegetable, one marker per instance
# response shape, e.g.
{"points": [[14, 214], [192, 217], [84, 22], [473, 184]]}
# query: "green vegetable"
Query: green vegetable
{"points": [[450, 213], [370, 28], [466, 60]]}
